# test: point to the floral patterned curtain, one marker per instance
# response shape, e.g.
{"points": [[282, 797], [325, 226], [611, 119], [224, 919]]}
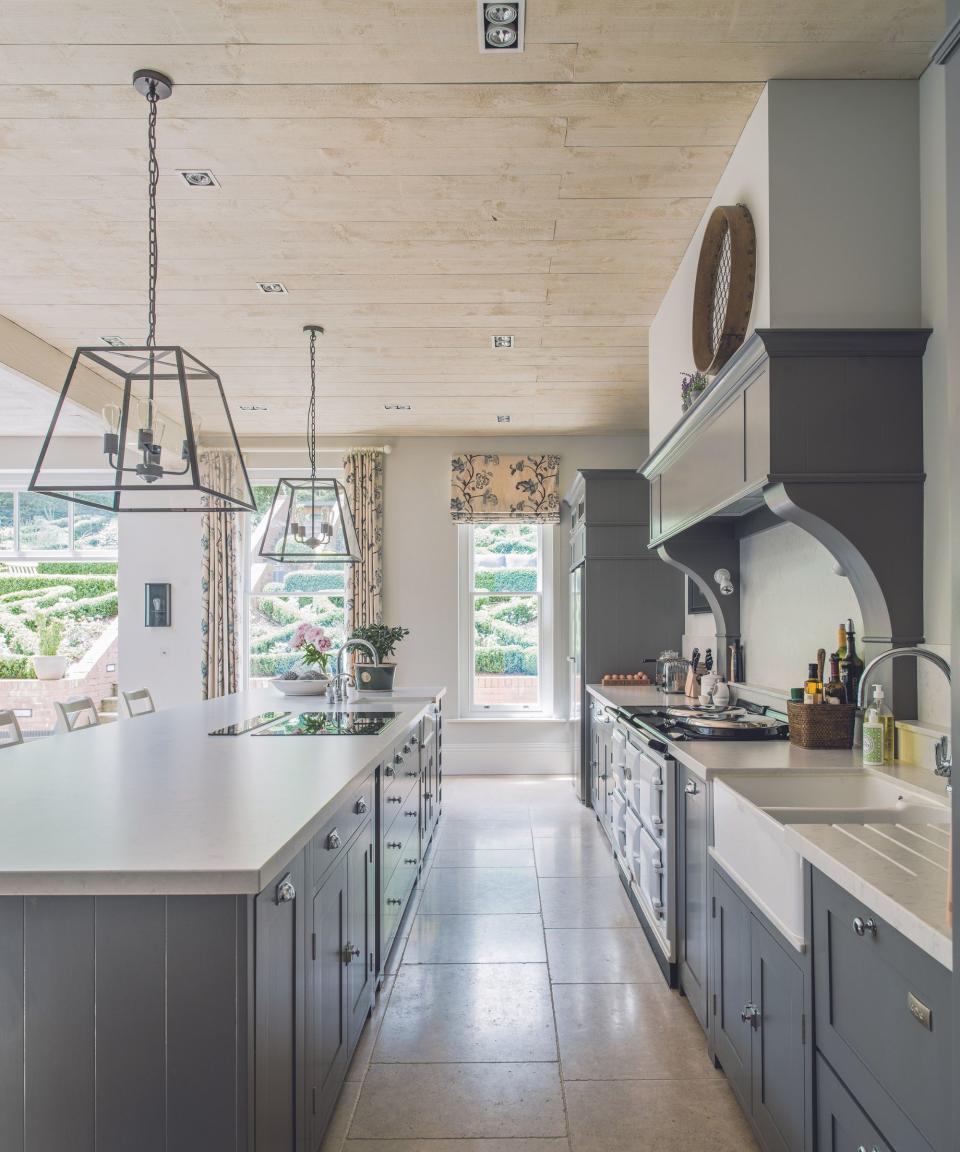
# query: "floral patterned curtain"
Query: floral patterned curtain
{"points": [[363, 468], [488, 489], [219, 583]]}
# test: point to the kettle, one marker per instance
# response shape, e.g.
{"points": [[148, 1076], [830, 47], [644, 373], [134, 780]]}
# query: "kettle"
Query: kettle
{"points": [[675, 675]]}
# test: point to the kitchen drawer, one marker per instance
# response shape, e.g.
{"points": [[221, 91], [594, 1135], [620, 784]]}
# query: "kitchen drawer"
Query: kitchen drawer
{"points": [[400, 844], [645, 786], [883, 1018], [338, 830], [841, 1124], [395, 898]]}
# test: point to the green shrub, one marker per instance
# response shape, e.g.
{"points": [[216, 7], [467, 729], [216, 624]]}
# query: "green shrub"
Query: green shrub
{"points": [[507, 580], [67, 567], [80, 586], [49, 635], [96, 608], [272, 663], [16, 668], [313, 582], [508, 660], [277, 611], [519, 612]]}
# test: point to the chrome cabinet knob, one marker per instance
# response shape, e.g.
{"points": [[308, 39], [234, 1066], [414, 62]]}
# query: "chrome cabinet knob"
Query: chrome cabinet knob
{"points": [[428, 795], [862, 927], [398, 759], [394, 901], [285, 890], [691, 788], [410, 812], [750, 1015], [394, 799], [334, 841], [406, 747], [410, 861], [413, 773], [397, 844], [361, 806], [414, 742], [388, 771], [350, 953]]}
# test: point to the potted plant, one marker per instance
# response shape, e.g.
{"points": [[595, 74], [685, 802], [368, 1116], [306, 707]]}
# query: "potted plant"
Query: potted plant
{"points": [[383, 640], [49, 664], [692, 387]]}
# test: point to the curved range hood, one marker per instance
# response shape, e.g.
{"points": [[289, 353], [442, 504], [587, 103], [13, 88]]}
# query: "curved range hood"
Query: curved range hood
{"points": [[822, 428]]}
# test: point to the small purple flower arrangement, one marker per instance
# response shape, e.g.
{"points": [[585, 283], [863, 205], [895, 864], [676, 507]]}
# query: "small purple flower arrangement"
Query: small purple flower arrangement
{"points": [[314, 645], [692, 385]]}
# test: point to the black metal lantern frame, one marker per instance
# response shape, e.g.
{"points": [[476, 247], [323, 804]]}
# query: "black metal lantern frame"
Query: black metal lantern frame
{"points": [[310, 520], [146, 391]]}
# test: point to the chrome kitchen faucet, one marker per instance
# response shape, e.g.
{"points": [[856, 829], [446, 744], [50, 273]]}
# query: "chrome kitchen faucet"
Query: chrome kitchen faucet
{"points": [[342, 680]]}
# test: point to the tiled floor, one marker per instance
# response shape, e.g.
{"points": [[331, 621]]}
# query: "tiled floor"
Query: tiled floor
{"points": [[524, 1011]]}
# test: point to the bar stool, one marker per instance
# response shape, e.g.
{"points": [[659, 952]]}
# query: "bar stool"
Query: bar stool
{"points": [[76, 713], [12, 736], [138, 703]]}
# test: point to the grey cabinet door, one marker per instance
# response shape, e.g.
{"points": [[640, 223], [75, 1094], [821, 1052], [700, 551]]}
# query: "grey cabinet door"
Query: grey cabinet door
{"points": [[278, 1078], [596, 765], [328, 1033], [692, 890], [359, 948], [841, 1125], [778, 1043], [731, 987]]}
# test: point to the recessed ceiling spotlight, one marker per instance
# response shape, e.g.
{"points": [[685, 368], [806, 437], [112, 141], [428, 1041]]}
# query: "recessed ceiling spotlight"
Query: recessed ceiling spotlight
{"points": [[199, 178], [501, 341], [114, 341], [398, 407], [501, 26], [271, 287], [253, 408], [503, 419]]}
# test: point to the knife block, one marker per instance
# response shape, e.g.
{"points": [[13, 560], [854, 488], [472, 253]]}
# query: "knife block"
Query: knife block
{"points": [[692, 689]]}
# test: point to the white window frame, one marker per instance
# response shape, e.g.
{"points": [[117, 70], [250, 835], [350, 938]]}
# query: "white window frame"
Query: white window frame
{"points": [[469, 709], [264, 479], [71, 554]]}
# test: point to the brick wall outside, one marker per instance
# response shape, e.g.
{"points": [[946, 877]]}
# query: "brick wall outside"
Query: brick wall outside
{"points": [[39, 695]]}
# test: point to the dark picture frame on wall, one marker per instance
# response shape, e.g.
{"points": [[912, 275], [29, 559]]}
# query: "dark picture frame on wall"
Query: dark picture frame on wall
{"points": [[156, 606], [696, 601]]}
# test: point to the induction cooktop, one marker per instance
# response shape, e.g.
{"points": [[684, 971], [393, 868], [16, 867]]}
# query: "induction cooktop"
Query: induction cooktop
{"points": [[346, 723]]}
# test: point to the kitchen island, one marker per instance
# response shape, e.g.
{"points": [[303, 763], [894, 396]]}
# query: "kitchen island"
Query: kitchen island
{"points": [[192, 926]]}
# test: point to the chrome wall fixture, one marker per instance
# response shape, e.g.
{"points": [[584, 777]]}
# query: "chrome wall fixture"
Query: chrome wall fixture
{"points": [[153, 399], [310, 520]]}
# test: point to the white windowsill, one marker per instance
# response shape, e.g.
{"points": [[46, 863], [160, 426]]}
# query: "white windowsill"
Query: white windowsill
{"points": [[541, 718]]}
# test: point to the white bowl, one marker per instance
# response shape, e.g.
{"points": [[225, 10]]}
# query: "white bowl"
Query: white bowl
{"points": [[300, 687]]}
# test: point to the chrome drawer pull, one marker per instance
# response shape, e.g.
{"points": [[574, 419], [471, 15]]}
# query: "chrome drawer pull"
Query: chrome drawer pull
{"points": [[428, 795], [411, 773], [333, 840], [393, 900], [750, 1015], [394, 799], [410, 813], [350, 953], [409, 861], [361, 806], [285, 890], [862, 927], [395, 844]]}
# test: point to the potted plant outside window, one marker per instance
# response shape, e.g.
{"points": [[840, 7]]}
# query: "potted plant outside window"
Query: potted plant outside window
{"points": [[49, 664], [383, 640]]}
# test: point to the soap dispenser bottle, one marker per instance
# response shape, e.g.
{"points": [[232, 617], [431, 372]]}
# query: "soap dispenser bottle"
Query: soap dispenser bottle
{"points": [[873, 738], [885, 716]]}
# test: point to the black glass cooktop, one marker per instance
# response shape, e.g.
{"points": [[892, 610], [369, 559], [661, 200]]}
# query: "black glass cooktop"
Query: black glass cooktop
{"points": [[330, 724]]}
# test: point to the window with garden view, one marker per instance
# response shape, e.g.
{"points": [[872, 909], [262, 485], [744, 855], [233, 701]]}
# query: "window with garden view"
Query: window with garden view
{"points": [[282, 596], [503, 616], [58, 579]]}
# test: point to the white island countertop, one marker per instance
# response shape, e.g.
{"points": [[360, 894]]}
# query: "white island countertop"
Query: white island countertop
{"points": [[156, 805]]}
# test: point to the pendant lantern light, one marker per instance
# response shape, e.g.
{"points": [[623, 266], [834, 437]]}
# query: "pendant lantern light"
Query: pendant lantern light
{"points": [[310, 520], [154, 399]]}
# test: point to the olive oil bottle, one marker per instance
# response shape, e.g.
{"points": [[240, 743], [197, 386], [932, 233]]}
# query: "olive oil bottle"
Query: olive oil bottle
{"points": [[851, 666], [834, 691]]}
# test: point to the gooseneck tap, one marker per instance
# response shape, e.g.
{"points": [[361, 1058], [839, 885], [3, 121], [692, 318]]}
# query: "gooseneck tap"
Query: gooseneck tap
{"points": [[342, 680], [944, 758]]}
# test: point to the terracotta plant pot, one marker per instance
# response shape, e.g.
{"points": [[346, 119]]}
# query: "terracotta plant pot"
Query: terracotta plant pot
{"points": [[50, 667], [374, 678]]}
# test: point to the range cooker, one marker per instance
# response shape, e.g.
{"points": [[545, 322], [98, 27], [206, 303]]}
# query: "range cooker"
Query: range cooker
{"points": [[640, 804]]}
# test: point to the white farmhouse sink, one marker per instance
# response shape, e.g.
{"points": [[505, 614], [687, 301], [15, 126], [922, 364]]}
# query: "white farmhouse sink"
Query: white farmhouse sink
{"points": [[750, 811]]}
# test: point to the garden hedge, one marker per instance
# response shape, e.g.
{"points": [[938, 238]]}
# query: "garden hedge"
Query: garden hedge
{"points": [[16, 668], [507, 580], [505, 661]]}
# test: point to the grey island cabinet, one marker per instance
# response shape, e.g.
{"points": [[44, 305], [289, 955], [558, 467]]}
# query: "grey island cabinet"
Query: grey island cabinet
{"points": [[189, 924]]}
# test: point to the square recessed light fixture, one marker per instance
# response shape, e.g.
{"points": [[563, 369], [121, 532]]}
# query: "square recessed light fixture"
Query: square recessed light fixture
{"points": [[271, 287], [501, 341], [503, 419], [199, 178], [398, 407], [253, 408], [501, 26], [114, 341]]}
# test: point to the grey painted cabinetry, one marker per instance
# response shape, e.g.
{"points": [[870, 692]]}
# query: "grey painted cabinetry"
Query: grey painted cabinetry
{"points": [[883, 1009], [759, 1020], [692, 919]]}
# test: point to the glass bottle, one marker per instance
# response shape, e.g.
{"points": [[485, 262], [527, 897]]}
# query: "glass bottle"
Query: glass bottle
{"points": [[841, 641], [851, 666], [812, 688], [885, 717], [833, 690]]}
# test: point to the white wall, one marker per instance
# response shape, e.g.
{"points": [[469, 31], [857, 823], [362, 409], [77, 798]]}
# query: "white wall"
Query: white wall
{"points": [[745, 180], [161, 548]]}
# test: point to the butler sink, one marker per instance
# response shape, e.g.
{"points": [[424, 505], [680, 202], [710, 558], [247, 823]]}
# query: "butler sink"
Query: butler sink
{"points": [[750, 812]]}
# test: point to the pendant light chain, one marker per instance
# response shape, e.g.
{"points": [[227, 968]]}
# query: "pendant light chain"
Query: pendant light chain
{"points": [[153, 179], [312, 408]]}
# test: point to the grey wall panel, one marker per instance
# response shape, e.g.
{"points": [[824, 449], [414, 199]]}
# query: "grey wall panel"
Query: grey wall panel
{"points": [[11, 1023], [59, 1018], [130, 1057], [202, 1021]]}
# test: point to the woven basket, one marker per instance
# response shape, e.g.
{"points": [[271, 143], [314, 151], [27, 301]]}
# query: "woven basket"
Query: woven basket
{"points": [[821, 725]]}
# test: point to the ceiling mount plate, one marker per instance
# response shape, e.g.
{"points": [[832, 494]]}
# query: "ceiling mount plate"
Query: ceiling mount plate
{"points": [[144, 77], [313, 328]]}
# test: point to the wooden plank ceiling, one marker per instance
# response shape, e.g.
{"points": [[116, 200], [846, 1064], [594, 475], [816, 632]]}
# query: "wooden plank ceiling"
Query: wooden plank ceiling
{"points": [[415, 195]]}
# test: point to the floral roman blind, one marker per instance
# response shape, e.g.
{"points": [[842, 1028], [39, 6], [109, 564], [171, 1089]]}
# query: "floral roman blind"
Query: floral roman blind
{"points": [[496, 489]]}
